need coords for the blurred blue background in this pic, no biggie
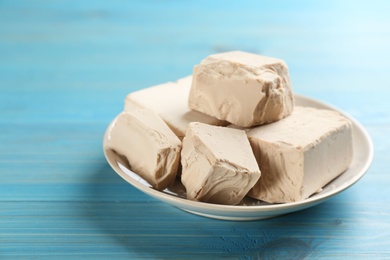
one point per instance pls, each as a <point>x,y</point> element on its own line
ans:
<point>335,50</point>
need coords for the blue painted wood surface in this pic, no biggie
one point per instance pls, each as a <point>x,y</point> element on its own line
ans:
<point>65,69</point>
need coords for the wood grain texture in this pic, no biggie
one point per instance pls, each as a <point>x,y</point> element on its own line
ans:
<point>65,69</point>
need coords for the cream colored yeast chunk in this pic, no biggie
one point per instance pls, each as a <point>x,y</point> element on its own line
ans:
<point>218,164</point>
<point>152,149</point>
<point>300,154</point>
<point>169,100</point>
<point>243,88</point>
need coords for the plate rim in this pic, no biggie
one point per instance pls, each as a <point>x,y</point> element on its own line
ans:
<point>199,208</point>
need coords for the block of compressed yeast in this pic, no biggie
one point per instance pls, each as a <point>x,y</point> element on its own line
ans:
<point>169,100</point>
<point>243,88</point>
<point>150,146</point>
<point>300,154</point>
<point>218,165</point>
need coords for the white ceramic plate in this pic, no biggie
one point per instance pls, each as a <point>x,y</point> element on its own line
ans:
<point>252,209</point>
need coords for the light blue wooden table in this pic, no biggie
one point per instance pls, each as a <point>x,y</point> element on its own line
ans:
<point>65,69</point>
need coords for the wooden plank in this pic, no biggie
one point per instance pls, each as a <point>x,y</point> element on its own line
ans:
<point>65,69</point>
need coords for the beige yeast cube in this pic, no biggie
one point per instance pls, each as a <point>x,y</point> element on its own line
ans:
<point>152,149</point>
<point>243,88</point>
<point>218,164</point>
<point>300,154</point>
<point>169,100</point>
